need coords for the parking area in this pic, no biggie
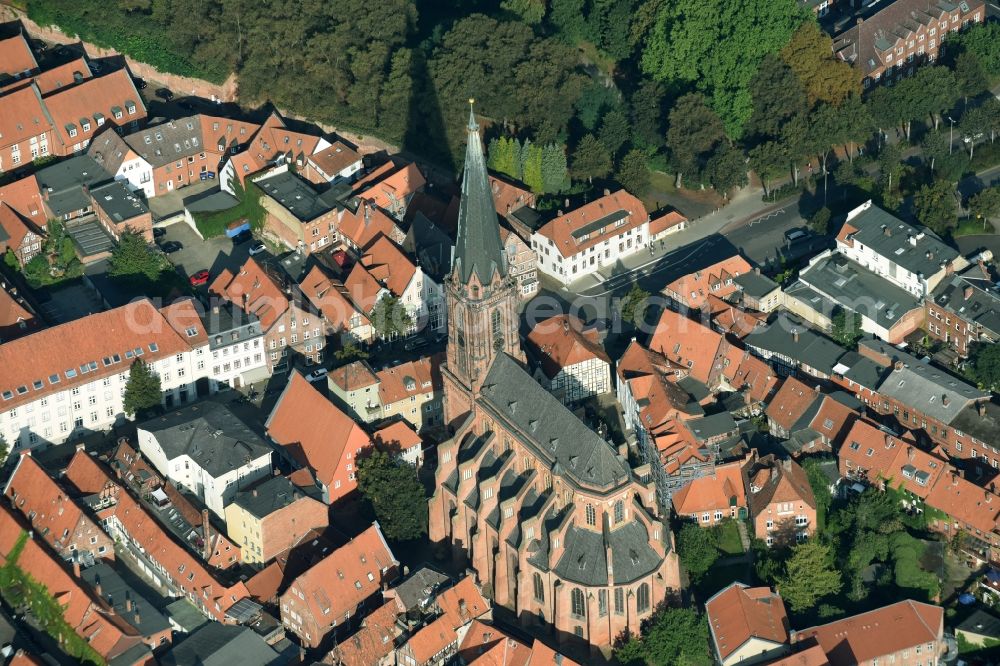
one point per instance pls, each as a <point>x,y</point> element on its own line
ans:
<point>213,254</point>
<point>171,203</point>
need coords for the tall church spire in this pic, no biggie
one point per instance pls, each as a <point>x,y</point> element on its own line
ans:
<point>478,249</point>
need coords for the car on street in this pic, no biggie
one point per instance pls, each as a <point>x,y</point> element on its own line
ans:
<point>159,232</point>
<point>257,248</point>
<point>316,375</point>
<point>164,94</point>
<point>171,246</point>
<point>416,343</point>
<point>199,278</point>
<point>793,235</point>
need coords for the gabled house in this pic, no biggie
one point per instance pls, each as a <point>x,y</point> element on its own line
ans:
<point>23,219</point>
<point>782,504</point>
<point>717,496</point>
<point>748,625</point>
<point>418,292</point>
<point>569,359</point>
<point>332,299</point>
<point>718,279</point>
<point>334,590</point>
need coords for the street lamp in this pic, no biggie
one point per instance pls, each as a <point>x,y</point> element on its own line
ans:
<point>951,134</point>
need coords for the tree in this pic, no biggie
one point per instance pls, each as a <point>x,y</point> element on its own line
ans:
<point>820,221</point>
<point>777,96</point>
<point>824,77</point>
<point>633,173</point>
<point>727,169</point>
<point>555,177</point>
<point>717,45</point>
<point>529,11</point>
<point>350,352</point>
<point>568,19</point>
<point>983,41</point>
<point>769,160</point>
<point>395,494</point>
<point>390,318</point>
<point>694,131</point>
<point>672,636</point>
<point>633,305</point>
<point>647,116</point>
<point>11,260</point>
<point>985,204</point>
<point>934,206</point>
<point>698,548</point>
<point>932,90</point>
<point>934,148</point>
<point>504,156</point>
<point>614,131</point>
<point>985,358</point>
<point>809,576</point>
<point>590,159</point>
<point>975,122</point>
<point>531,167</point>
<point>820,485</point>
<point>142,390</point>
<point>845,327</point>
<point>133,257</point>
<point>970,75</point>
<point>4,450</point>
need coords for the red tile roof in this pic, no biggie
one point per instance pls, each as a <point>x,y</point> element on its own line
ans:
<point>694,288</point>
<point>770,481</point>
<point>362,226</point>
<point>688,344</point>
<point>562,341</point>
<point>671,219</point>
<point>24,116</point>
<point>739,613</point>
<point>373,641</point>
<point>508,197</point>
<point>15,228</point>
<point>35,360</point>
<point>353,376</point>
<point>397,436</point>
<point>98,95</point>
<point>16,55</point>
<point>62,75</point>
<point>966,503</point>
<point>614,206</point>
<point>463,602</point>
<point>888,630</point>
<point>394,188</point>
<point>718,491</point>
<point>335,158</point>
<point>811,656</point>
<point>791,402</point>
<point>388,264</point>
<point>315,432</point>
<point>431,639</point>
<point>332,298</point>
<point>252,289</point>
<point>15,318</point>
<point>362,288</point>
<point>25,197</point>
<point>872,453</point>
<point>425,373</point>
<point>486,645</point>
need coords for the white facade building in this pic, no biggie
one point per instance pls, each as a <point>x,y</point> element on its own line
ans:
<point>206,449</point>
<point>236,343</point>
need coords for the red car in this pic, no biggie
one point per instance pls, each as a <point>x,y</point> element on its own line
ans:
<point>199,278</point>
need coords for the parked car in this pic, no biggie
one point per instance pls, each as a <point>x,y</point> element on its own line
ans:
<point>139,83</point>
<point>164,94</point>
<point>416,343</point>
<point>159,232</point>
<point>257,248</point>
<point>316,375</point>
<point>172,246</point>
<point>242,237</point>
<point>199,278</point>
<point>793,235</point>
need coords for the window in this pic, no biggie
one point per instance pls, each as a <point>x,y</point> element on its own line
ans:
<point>591,515</point>
<point>619,511</point>
<point>539,588</point>
<point>619,601</point>
<point>577,605</point>
<point>496,329</point>
<point>642,598</point>
<point>602,603</point>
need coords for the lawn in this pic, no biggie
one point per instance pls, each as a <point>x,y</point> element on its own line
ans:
<point>970,226</point>
<point>729,538</point>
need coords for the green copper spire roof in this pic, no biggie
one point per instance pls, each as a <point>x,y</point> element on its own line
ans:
<point>477,247</point>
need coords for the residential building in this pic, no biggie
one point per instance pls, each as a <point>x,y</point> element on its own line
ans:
<point>878,457</point>
<point>810,421</point>
<point>509,197</point>
<point>832,283</point>
<point>17,317</point>
<point>118,210</point>
<point>758,292</point>
<point>336,163</point>
<point>128,604</point>
<point>906,632</point>
<point>334,590</point>
<point>526,494</point>
<point>717,496</point>
<point>374,643</point>
<point>522,261</point>
<point>411,390</point>
<point>65,380</point>
<point>23,220</point>
<point>270,517</point>
<point>59,520</point>
<point>314,433</point>
<point>391,190</point>
<point>419,294</point>
<point>748,625</point>
<point>355,385</point>
<point>598,234</point>
<point>782,504</point>
<point>64,186</point>
<point>359,222</point>
<point>670,222</point>
<point>298,215</point>
<point>965,310</point>
<point>791,347</point>
<point>568,359</point>
<point>216,644</point>
<point>453,612</point>
<point>254,148</point>
<point>332,299</point>
<point>207,449</point>
<point>236,341</point>
<point>902,35</point>
<point>912,258</point>
<point>401,440</point>
<point>17,57</point>
<point>179,571</point>
<point>292,326</point>
<point>692,290</point>
<point>87,615</point>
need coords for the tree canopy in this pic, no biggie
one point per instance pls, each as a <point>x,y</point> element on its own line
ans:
<point>824,77</point>
<point>395,494</point>
<point>142,390</point>
<point>809,575</point>
<point>672,636</point>
<point>390,317</point>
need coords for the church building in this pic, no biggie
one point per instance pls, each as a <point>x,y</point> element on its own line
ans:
<point>559,528</point>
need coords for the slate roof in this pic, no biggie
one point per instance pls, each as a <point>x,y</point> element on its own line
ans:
<point>217,644</point>
<point>985,427</point>
<point>215,438</point>
<point>916,249</point>
<point>116,591</point>
<point>118,202</point>
<point>923,386</point>
<point>168,142</point>
<point>418,587</point>
<point>557,434</point>
<point>478,248</point>
<point>63,182</point>
<point>297,196</point>
<point>273,494</point>
<point>584,559</point>
<point>982,306</point>
<point>810,348</point>
<point>754,284</point>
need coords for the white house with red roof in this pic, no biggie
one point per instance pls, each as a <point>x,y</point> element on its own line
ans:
<point>569,359</point>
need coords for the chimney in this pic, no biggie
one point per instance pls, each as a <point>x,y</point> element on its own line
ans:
<point>559,213</point>
<point>795,335</point>
<point>76,568</point>
<point>887,231</point>
<point>898,365</point>
<point>81,446</point>
<point>97,585</point>
<point>255,492</point>
<point>756,270</point>
<point>607,192</point>
<point>565,203</point>
<point>215,309</point>
<point>909,453</point>
<point>944,399</point>
<point>981,408</point>
<point>954,478</point>
<point>137,617</point>
<point>967,292</point>
<point>463,613</point>
<point>566,325</point>
<point>206,534</point>
<point>128,602</point>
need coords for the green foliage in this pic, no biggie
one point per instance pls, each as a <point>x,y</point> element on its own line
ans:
<point>969,74</point>
<point>809,576</point>
<point>594,103</point>
<point>727,169</point>
<point>142,391</point>
<point>350,352</point>
<point>632,173</point>
<point>985,358</point>
<point>529,11</point>
<point>504,156</point>
<point>677,636</point>
<point>555,175</point>
<point>18,588</point>
<point>907,572</point>
<point>211,225</point>
<point>133,256</point>
<point>395,494</point>
<point>717,46</point>
<point>647,116</point>
<point>694,132</point>
<point>568,19</point>
<point>935,206</point>
<point>845,327</point>
<point>983,41</point>
<point>823,76</point>
<point>777,97</point>
<point>698,548</point>
<point>614,131</point>
<point>633,305</point>
<point>590,159</point>
<point>4,450</point>
<point>10,259</point>
<point>820,221</point>
<point>985,204</point>
<point>820,486</point>
<point>769,160</point>
<point>531,166</point>
<point>390,318</point>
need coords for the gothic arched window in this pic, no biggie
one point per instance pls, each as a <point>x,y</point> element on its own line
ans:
<point>619,511</point>
<point>642,599</point>
<point>579,608</point>
<point>496,329</point>
<point>591,515</point>
<point>539,588</point>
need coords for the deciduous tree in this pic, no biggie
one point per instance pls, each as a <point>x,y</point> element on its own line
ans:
<point>769,160</point>
<point>698,549</point>
<point>693,134</point>
<point>390,318</point>
<point>935,207</point>
<point>727,169</point>
<point>590,159</point>
<point>777,96</point>
<point>986,364</point>
<point>824,77</point>
<point>395,494</point>
<point>985,204</point>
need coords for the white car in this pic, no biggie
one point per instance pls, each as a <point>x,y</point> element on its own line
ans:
<point>316,375</point>
<point>257,248</point>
